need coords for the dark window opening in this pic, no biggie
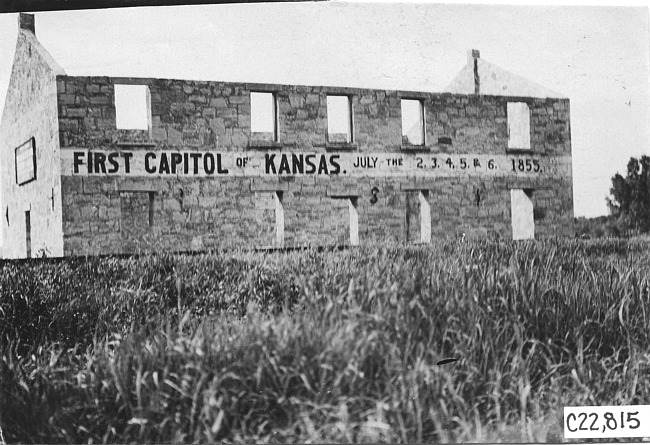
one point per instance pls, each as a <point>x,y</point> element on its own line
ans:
<point>137,216</point>
<point>28,234</point>
<point>152,202</point>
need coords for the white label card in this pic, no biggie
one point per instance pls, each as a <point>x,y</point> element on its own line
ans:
<point>592,422</point>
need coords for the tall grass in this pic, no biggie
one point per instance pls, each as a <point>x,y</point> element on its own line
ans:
<point>324,346</point>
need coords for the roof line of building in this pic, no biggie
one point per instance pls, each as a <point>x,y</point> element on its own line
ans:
<point>64,5</point>
<point>477,77</point>
<point>482,77</point>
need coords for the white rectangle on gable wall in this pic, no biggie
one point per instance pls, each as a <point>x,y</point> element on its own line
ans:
<point>25,160</point>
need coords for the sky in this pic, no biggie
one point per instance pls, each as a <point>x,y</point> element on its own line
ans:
<point>597,56</point>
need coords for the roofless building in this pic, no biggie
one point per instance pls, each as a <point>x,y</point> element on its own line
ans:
<point>95,165</point>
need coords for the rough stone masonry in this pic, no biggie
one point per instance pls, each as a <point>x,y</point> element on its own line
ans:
<point>200,176</point>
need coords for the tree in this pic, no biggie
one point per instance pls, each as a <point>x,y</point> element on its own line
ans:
<point>630,202</point>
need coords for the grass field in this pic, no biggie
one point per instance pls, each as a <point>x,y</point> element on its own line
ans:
<point>308,346</point>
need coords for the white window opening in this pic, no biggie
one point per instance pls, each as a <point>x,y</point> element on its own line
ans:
<point>132,105</point>
<point>354,221</point>
<point>425,217</point>
<point>523,223</point>
<point>412,122</point>
<point>518,125</point>
<point>339,119</point>
<point>279,219</point>
<point>264,117</point>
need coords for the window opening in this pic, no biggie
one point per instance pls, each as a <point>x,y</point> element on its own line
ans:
<point>132,107</point>
<point>136,217</point>
<point>425,217</point>
<point>354,221</point>
<point>518,125</point>
<point>264,115</point>
<point>152,207</point>
<point>523,222</point>
<point>339,119</point>
<point>28,234</point>
<point>412,122</point>
<point>279,219</point>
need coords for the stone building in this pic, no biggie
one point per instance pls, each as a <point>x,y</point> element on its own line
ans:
<point>94,165</point>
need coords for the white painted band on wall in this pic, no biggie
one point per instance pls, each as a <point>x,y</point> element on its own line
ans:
<point>170,163</point>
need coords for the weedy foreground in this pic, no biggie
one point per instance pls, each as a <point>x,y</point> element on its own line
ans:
<point>329,346</point>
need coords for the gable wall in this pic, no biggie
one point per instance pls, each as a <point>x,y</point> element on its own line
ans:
<point>31,112</point>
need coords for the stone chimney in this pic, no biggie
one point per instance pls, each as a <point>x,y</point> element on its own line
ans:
<point>473,54</point>
<point>26,22</point>
<point>472,58</point>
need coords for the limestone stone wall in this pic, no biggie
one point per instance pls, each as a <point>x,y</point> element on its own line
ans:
<point>216,115</point>
<point>31,112</point>
<point>112,210</point>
